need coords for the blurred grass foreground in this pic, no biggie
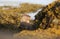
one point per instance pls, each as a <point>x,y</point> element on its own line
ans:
<point>48,19</point>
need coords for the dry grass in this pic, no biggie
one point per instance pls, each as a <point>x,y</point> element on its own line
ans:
<point>51,33</point>
<point>12,16</point>
<point>23,8</point>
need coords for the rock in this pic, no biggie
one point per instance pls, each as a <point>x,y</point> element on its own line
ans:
<point>45,17</point>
